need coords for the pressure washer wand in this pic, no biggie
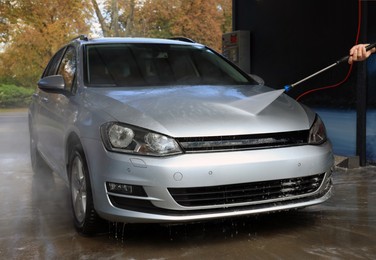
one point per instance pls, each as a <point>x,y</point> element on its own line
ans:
<point>288,87</point>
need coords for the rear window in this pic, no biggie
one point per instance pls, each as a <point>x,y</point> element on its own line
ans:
<point>157,64</point>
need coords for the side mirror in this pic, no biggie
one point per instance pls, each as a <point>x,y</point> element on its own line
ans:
<point>54,83</point>
<point>258,79</point>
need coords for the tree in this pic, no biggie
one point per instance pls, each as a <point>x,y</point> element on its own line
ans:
<point>202,20</point>
<point>225,7</point>
<point>156,17</point>
<point>33,31</point>
<point>117,18</point>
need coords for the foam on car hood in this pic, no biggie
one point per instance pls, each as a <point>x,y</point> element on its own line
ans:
<point>183,111</point>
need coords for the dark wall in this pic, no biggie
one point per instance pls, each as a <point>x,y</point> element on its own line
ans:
<point>292,39</point>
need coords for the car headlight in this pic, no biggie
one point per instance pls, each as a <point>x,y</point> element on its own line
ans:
<point>124,138</point>
<point>317,133</point>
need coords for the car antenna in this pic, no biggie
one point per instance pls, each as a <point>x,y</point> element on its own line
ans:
<point>81,37</point>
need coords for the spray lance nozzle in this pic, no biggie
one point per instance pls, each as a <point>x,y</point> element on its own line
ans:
<point>343,59</point>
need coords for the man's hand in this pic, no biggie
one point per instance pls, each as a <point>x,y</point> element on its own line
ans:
<point>359,53</point>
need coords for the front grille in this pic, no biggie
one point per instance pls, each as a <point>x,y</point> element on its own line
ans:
<point>246,192</point>
<point>243,142</point>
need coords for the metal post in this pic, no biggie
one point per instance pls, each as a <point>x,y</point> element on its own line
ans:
<point>361,117</point>
<point>361,97</point>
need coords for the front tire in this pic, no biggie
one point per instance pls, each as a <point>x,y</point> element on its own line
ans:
<point>86,219</point>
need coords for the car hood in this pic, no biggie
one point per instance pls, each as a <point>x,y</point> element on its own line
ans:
<point>183,111</point>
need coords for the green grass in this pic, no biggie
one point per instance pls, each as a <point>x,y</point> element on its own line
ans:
<point>10,110</point>
<point>12,96</point>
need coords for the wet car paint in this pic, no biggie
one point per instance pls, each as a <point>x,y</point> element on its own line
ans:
<point>36,222</point>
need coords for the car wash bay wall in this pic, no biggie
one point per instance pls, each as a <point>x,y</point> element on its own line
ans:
<point>292,39</point>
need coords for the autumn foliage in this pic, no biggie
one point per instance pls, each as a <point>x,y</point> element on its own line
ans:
<point>31,31</point>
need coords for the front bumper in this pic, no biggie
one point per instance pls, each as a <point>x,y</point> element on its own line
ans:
<point>157,177</point>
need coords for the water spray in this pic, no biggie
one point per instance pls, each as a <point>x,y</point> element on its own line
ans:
<point>343,59</point>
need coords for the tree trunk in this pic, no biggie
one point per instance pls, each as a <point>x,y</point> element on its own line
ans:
<point>130,19</point>
<point>105,28</point>
<point>115,18</point>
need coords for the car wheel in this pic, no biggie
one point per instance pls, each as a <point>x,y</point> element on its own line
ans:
<point>86,219</point>
<point>38,164</point>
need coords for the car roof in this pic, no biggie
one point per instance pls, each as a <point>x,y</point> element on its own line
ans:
<point>177,41</point>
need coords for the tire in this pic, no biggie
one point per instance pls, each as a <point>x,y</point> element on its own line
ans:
<point>86,219</point>
<point>38,164</point>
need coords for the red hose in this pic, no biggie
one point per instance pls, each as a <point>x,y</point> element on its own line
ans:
<point>351,66</point>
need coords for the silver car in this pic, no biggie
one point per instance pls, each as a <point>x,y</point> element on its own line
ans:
<point>169,131</point>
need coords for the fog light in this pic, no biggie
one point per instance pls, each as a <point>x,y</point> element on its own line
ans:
<point>126,189</point>
<point>119,188</point>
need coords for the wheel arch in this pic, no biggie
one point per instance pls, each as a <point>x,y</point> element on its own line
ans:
<point>71,142</point>
<point>30,120</point>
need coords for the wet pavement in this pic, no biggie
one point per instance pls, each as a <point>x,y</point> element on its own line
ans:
<point>36,222</point>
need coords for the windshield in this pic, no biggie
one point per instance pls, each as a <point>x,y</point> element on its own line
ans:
<point>157,64</point>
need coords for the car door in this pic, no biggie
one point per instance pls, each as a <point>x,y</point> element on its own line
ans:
<point>55,110</point>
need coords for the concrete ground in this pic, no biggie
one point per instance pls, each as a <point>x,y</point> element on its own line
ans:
<point>36,222</point>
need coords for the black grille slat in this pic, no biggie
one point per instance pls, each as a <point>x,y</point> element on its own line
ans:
<point>247,192</point>
<point>243,142</point>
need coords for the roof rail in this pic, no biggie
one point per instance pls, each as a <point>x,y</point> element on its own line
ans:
<point>81,37</point>
<point>182,38</point>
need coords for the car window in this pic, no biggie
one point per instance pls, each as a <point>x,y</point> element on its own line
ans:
<point>67,68</point>
<point>157,64</point>
<point>53,64</point>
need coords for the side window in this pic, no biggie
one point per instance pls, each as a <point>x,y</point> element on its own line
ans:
<point>67,68</point>
<point>52,66</point>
